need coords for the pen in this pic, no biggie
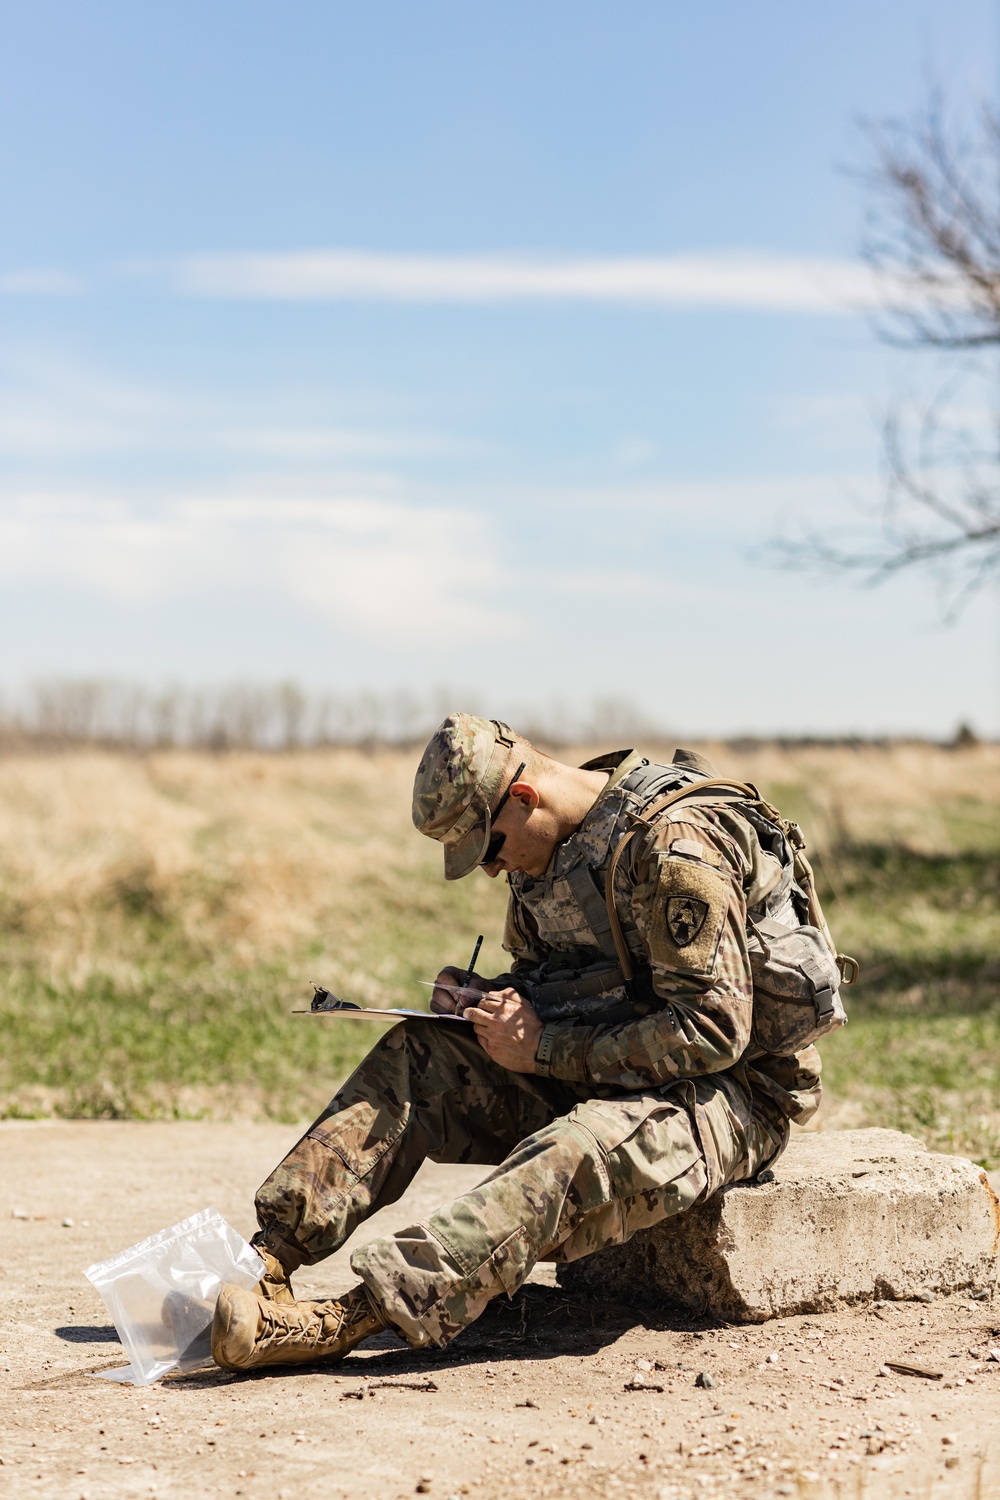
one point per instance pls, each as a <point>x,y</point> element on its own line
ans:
<point>472,961</point>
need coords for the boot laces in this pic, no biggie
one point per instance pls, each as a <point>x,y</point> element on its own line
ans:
<point>282,1324</point>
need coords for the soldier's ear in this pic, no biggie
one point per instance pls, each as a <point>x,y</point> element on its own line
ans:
<point>526,794</point>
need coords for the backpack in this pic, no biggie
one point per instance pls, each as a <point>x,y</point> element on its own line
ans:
<point>797,972</point>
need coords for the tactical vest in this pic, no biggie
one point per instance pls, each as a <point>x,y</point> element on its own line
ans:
<point>598,971</point>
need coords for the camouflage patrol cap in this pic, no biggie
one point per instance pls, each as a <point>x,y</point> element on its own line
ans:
<point>457,780</point>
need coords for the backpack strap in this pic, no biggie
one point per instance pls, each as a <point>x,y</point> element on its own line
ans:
<point>737,792</point>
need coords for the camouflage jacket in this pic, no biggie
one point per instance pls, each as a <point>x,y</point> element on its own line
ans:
<point>706,859</point>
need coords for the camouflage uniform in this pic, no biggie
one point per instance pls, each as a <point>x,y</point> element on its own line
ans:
<point>621,1125</point>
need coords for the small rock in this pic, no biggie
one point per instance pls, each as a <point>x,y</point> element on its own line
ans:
<point>705,1381</point>
<point>771,1359</point>
<point>19,1213</point>
<point>951,1462</point>
<point>884,1370</point>
<point>596,1422</point>
<point>981,1295</point>
<point>993,1354</point>
<point>925,1296</point>
<point>948,1439</point>
<point>644,1364</point>
<point>586,1445</point>
<point>67,1223</point>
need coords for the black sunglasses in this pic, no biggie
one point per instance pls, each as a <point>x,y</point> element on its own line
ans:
<point>496,843</point>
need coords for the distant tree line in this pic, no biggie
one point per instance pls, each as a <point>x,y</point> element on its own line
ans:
<point>63,713</point>
<point>60,712</point>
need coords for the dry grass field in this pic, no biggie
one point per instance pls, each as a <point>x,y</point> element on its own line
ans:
<point>160,916</point>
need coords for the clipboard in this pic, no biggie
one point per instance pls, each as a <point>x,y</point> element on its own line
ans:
<point>371,1013</point>
<point>325,1003</point>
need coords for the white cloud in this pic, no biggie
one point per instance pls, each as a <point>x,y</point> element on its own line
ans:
<point>389,569</point>
<point>363,551</point>
<point>54,408</point>
<point>744,280</point>
<point>39,283</point>
<point>248,580</point>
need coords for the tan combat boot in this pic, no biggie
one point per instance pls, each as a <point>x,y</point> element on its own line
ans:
<point>250,1330</point>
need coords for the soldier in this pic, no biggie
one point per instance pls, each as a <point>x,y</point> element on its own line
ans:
<point>611,1078</point>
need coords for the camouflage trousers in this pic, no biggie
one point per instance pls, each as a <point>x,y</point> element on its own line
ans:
<point>575,1169</point>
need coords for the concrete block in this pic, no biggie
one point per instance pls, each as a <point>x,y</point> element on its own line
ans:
<point>848,1216</point>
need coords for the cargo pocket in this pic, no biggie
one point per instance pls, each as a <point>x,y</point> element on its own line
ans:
<point>647,1146</point>
<point>723,1112</point>
<point>360,1136</point>
<point>646,1140</point>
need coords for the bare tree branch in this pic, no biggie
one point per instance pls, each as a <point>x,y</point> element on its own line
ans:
<point>933,239</point>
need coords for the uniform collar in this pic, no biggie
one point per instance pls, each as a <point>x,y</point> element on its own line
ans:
<point>591,838</point>
<point>620,763</point>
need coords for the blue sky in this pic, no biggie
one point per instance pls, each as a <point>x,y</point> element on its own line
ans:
<point>436,345</point>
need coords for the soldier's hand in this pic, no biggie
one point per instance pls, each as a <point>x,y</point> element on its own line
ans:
<point>507,1028</point>
<point>446,1002</point>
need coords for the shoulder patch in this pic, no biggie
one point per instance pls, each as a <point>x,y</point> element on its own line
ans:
<point>689,912</point>
<point>685,918</point>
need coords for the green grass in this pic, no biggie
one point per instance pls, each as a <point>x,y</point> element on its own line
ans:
<point>174,1046</point>
<point>170,1027</point>
<point>937,1077</point>
<point>922,1050</point>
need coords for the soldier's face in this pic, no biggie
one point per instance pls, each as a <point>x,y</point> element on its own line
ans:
<point>530,834</point>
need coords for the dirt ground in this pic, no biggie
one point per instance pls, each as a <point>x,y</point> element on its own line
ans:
<point>534,1400</point>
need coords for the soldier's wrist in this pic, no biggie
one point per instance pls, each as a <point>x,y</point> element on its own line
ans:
<point>543,1052</point>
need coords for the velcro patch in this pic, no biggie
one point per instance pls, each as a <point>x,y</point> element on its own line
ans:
<point>694,850</point>
<point>688,913</point>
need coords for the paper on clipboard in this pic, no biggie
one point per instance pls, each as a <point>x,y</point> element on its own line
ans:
<point>372,1013</point>
<point>325,1003</point>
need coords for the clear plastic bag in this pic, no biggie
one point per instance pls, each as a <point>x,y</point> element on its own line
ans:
<point>161,1293</point>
